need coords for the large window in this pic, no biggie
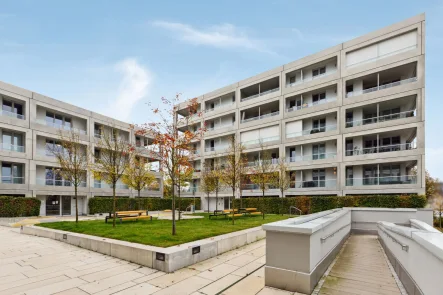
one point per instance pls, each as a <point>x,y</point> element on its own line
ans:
<point>319,125</point>
<point>12,173</point>
<point>319,177</point>
<point>318,72</point>
<point>318,151</point>
<point>11,108</point>
<point>12,141</point>
<point>318,98</point>
<point>54,177</point>
<point>58,121</point>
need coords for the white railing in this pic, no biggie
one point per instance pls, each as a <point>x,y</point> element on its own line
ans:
<point>189,189</point>
<point>312,131</point>
<point>312,157</point>
<point>326,183</point>
<point>216,148</point>
<point>261,162</point>
<point>381,87</point>
<point>219,106</point>
<point>401,115</point>
<point>253,186</point>
<point>261,140</point>
<point>382,56</point>
<point>381,149</point>
<point>385,180</point>
<point>12,147</point>
<point>100,184</point>
<point>13,179</point>
<point>216,127</point>
<point>57,182</point>
<point>311,78</point>
<point>260,94</point>
<point>311,104</point>
<point>261,117</point>
<point>11,114</point>
<point>61,126</point>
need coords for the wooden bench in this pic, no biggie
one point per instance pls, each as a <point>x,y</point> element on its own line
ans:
<point>218,213</point>
<point>129,215</point>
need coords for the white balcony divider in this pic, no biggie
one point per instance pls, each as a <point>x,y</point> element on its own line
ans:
<point>327,183</point>
<point>379,119</point>
<point>57,182</point>
<point>328,72</point>
<point>261,140</point>
<point>216,127</point>
<point>384,180</point>
<point>382,149</point>
<point>60,126</point>
<point>11,114</point>
<point>11,147</point>
<point>261,117</point>
<point>311,104</point>
<point>260,94</point>
<point>312,157</point>
<point>312,131</point>
<point>381,87</point>
<point>219,106</point>
<point>13,179</point>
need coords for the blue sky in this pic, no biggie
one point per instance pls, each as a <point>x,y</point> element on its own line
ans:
<point>114,56</point>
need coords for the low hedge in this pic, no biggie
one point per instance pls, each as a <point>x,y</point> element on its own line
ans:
<point>105,204</point>
<point>19,206</point>
<point>313,204</point>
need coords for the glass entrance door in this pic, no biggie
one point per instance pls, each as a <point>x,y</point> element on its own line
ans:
<point>66,205</point>
<point>53,205</point>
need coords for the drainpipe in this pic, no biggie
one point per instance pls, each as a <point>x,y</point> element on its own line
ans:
<point>378,81</point>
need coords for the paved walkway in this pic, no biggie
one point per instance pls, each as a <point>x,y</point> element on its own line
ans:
<point>32,265</point>
<point>361,268</point>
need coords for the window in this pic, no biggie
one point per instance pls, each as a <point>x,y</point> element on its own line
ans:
<point>13,108</point>
<point>318,98</point>
<point>12,173</point>
<point>291,79</point>
<point>349,119</point>
<point>292,154</point>
<point>319,177</point>
<point>349,176</point>
<point>349,88</point>
<point>12,141</point>
<point>97,130</point>
<point>319,71</point>
<point>58,121</point>
<point>52,146</point>
<point>318,151</point>
<point>318,125</point>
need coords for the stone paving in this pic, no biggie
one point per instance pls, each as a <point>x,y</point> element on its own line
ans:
<point>32,265</point>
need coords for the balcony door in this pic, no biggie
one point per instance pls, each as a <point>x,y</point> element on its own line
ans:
<point>319,177</point>
<point>318,151</point>
<point>52,205</point>
<point>319,125</point>
<point>66,205</point>
<point>12,173</point>
<point>12,141</point>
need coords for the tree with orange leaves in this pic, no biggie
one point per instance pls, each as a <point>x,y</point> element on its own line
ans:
<point>171,146</point>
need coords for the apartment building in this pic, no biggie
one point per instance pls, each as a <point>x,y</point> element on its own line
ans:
<point>30,125</point>
<point>347,120</point>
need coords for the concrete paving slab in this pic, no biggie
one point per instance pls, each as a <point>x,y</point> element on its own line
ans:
<point>185,287</point>
<point>139,289</point>
<point>218,272</point>
<point>220,285</point>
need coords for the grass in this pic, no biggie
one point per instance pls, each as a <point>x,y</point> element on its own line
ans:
<point>158,232</point>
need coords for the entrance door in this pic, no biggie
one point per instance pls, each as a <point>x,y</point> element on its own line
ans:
<point>226,203</point>
<point>53,205</point>
<point>66,205</point>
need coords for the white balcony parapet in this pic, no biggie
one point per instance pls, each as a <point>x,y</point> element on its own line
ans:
<point>311,104</point>
<point>261,117</point>
<point>219,106</point>
<point>102,184</point>
<point>190,189</point>
<point>326,183</point>
<point>253,186</point>
<point>379,119</point>
<point>261,140</point>
<point>327,73</point>
<point>381,87</point>
<point>312,131</point>
<point>11,114</point>
<point>382,56</point>
<point>12,147</point>
<point>216,148</point>
<point>384,180</point>
<point>216,127</point>
<point>312,157</point>
<point>13,179</point>
<point>57,182</point>
<point>260,162</point>
<point>261,94</point>
<point>61,127</point>
<point>381,149</point>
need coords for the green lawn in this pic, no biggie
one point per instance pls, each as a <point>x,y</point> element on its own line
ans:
<point>158,232</point>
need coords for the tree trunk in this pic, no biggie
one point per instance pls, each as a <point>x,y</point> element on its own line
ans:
<point>208,202</point>
<point>114,203</point>
<point>282,207</point>
<point>138,193</point>
<point>179,204</point>
<point>216,200</point>
<point>233,207</point>
<point>173,208</point>
<point>76,204</point>
<point>263,205</point>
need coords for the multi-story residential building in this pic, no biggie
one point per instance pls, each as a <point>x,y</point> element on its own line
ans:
<point>30,126</point>
<point>347,120</point>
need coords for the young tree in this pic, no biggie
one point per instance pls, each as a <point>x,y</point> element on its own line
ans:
<point>171,146</point>
<point>438,206</point>
<point>234,168</point>
<point>207,183</point>
<point>138,174</point>
<point>430,185</point>
<point>113,160</point>
<point>216,174</point>
<point>263,174</point>
<point>283,181</point>
<point>73,160</point>
<point>184,176</point>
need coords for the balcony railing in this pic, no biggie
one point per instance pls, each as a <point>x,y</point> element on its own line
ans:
<point>189,189</point>
<point>219,106</point>
<point>11,114</point>
<point>312,157</point>
<point>384,180</point>
<point>217,148</point>
<point>312,131</point>
<point>381,87</point>
<point>261,140</point>
<point>57,182</point>
<point>99,184</point>
<point>312,78</point>
<point>61,126</point>
<point>380,119</point>
<point>260,94</point>
<point>311,104</point>
<point>13,179</point>
<point>216,127</point>
<point>382,149</point>
<point>327,183</point>
<point>261,162</point>
<point>253,186</point>
<point>11,147</point>
<point>261,117</point>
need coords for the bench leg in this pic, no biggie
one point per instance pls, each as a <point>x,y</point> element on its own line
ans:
<point>151,218</point>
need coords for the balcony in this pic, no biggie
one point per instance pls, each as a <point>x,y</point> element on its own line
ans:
<point>61,126</point>
<point>253,186</point>
<point>219,106</point>
<point>190,189</point>
<point>312,131</point>
<point>320,156</point>
<point>380,119</point>
<point>220,123</point>
<point>217,148</point>
<point>104,185</point>
<point>381,87</point>
<point>385,180</point>
<point>259,163</point>
<point>11,114</point>
<point>260,89</point>
<point>57,182</point>
<point>311,104</point>
<point>13,180</point>
<point>381,149</point>
<point>326,183</point>
<point>312,72</point>
<point>12,148</point>
<point>261,140</point>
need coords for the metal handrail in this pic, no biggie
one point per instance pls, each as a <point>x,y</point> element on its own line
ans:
<point>293,207</point>
<point>331,235</point>
<point>404,247</point>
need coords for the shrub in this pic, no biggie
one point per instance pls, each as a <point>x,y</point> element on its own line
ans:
<point>105,204</point>
<point>313,204</point>
<point>19,206</point>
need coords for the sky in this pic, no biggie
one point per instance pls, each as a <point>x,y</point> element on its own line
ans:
<point>116,57</point>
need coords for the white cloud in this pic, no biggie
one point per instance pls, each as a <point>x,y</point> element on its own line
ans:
<point>222,36</point>
<point>434,162</point>
<point>135,84</point>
